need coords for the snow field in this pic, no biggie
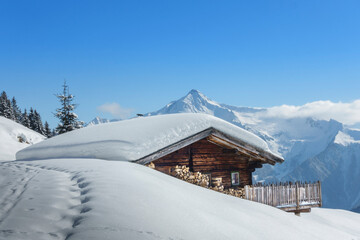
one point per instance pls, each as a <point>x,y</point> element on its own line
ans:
<point>97,199</point>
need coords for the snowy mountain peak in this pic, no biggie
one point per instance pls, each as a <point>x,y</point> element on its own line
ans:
<point>97,120</point>
<point>193,102</point>
<point>196,95</point>
<point>194,92</point>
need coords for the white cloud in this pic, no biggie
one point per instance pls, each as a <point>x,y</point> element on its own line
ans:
<point>115,110</point>
<point>347,113</point>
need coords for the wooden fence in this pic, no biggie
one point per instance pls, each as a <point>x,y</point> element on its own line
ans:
<point>292,197</point>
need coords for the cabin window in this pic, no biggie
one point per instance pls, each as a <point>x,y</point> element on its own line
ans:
<point>235,179</point>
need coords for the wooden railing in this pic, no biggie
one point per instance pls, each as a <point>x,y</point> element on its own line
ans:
<point>292,197</point>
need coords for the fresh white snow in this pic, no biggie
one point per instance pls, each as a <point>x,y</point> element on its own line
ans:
<point>10,132</point>
<point>133,139</point>
<point>96,199</point>
<point>345,139</point>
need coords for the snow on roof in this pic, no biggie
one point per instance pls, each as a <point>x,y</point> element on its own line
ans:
<point>132,139</point>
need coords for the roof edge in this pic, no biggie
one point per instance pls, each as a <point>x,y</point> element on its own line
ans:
<point>201,135</point>
<point>175,146</point>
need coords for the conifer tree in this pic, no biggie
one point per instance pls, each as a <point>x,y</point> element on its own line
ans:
<point>16,110</point>
<point>25,120</point>
<point>68,119</point>
<point>32,119</point>
<point>5,107</point>
<point>47,130</point>
<point>38,125</point>
<point>2,103</point>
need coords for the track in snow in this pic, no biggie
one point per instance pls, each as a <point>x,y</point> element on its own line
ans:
<point>55,197</point>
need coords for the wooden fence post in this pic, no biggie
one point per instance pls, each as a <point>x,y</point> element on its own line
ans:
<point>297,212</point>
<point>320,200</point>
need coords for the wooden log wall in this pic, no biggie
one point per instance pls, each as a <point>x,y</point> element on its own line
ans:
<point>206,157</point>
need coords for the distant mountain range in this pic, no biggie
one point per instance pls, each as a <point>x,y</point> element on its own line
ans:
<point>313,149</point>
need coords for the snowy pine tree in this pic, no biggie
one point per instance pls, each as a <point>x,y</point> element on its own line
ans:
<point>39,127</point>
<point>47,130</point>
<point>39,124</point>
<point>32,119</point>
<point>25,121</point>
<point>5,107</point>
<point>16,110</point>
<point>3,98</point>
<point>68,119</point>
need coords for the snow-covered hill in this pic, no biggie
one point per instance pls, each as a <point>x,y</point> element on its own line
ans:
<point>14,137</point>
<point>97,199</point>
<point>313,149</point>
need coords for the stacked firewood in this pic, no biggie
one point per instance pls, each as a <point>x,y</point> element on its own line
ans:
<point>197,178</point>
<point>183,173</point>
<point>216,184</point>
<point>240,192</point>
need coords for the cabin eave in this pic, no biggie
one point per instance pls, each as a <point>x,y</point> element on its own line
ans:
<point>219,138</point>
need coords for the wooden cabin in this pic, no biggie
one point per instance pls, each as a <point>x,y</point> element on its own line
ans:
<point>214,153</point>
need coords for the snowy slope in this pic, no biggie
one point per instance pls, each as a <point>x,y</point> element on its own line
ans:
<point>10,132</point>
<point>96,199</point>
<point>134,138</point>
<point>299,140</point>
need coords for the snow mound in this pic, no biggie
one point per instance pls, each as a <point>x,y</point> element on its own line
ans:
<point>133,139</point>
<point>14,137</point>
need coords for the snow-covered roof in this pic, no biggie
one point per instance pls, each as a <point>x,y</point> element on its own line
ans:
<point>134,139</point>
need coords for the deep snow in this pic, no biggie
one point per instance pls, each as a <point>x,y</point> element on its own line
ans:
<point>10,132</point>
<point>96,199</point>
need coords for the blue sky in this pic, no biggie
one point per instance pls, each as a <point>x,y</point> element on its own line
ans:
<point>143,54</point>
